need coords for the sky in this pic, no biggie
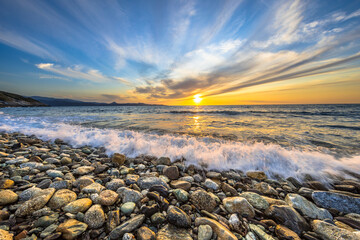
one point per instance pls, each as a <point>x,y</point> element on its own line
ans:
<point>182,52</point>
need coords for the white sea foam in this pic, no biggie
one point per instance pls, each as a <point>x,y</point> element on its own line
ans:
<point>217,154</point>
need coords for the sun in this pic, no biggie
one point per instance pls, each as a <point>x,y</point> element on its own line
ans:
<point>197,98</point>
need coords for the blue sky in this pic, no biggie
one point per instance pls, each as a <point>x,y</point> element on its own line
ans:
<point>169,51</point>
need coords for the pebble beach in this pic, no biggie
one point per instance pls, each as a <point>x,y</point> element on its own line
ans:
<point>51,190</point>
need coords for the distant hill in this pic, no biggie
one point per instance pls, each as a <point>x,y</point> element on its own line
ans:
<point>15,100</point>
<point>70,102</point>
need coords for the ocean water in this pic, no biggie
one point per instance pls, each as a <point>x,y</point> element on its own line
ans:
<point>284,140</point>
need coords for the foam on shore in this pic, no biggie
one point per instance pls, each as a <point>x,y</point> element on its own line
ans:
<point>217,154</point>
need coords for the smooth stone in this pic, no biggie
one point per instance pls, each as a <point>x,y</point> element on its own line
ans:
<point>283,232</point>
<point>118,159</point>
<point>265,188</point>
<point>273,201</point>
<point>180,184</point>
<point>107,198</point>
<point>7,197</point>
<point>80,205</point>
<point>238,205</point>
<point>65,184</point>
<point>6,183</point>
<point>5,235</point>
<point>128,207</point>
<point>306,192</point>
<point>46,221</point>
<point>227,188</point>
<point>288,217</point>
<point>129,195</point>
<point>148,182</point>
<point>210,184</point>
<point>94,216</point>
<point>83,181</point>
<point>203,200</point>
<point>330,232</point>
<point>205,232</point>
<point>93,188</point>
<point>306,207</point>
<point>178,217</point>
<point>221,231</point>
<point>61,198</point>
<point>259,175</point>
<point>48,230</point>
<point>71,229</point>
<point>65,160</point>
<point>340,202</point>
<point>28,193</point>
<point>158,218</point>
<point>128,236</point>
<point>163,161</point>
<point>181,195</point>
<point>131,179</point>
<point>145,233</point>
<point>172,172</point>
<point>170,232</point>
<point>44,184</point>
<point>127,226</point>
<point>260,233</point>
<point>37,202</point>
<point>113,220</point>
<point>54,173</point>
<point>255,200</point>
<point>115,184</point>
<point>83,170</point>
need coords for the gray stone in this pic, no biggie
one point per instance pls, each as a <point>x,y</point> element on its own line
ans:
<point>147,182</point>
<point>255,200</point>
<point>115,184</point>
<point>340,202</point>
<point>331,232</point>
<point>54,173</point>
<point>204,232</point>
<point>170,232</point>
<point>127,226</point>
<point>221,231</point>
<point>238,205</point>
<point>129,195</point>
<point>306,207</point>
<point>178,217</point>
<point>211,184</point>
<point>95,216</point>
<point>203,200</point>
<point>128,207</point>
<point>181,195</point>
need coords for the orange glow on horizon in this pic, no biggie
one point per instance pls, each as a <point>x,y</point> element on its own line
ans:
<point>197,99</point>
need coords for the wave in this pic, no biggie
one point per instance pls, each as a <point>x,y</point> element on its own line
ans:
<point>340,127</point>
<point>305,113</point>
<point>216,154</point>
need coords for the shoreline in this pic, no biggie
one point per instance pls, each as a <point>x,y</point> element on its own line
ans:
<point>50,190</point>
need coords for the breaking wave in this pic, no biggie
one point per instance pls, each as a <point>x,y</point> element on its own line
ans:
<point>217,154</point>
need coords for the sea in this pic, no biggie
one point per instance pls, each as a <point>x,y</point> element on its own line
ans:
<point>282,140</point>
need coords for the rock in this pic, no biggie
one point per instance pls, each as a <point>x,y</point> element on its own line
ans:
<point>148,182</point>
<point>5,235</point>
<point>158,218</point>
<point>71,229</point>
<point>227,188</point>
<point>107,198</point>
<point>83,170</point>
<point>260,233</point>
<point>221,231</point>
<point>258,175</point>
<point>288,217</point>
<point>65,160</point>
<point>118,159</point>
<point>61,198</point>
<point>283,232</point>
<point>144,233</point>
<point>163,191</point>
<point>255,200</point>
<point>163,161</point>
<point>204,232</point>
<point>306,207</point>
<point>4,215</point>
<point>131,179</point>
<point>6,183</point>
<point>28,193</point>
<point>129,195</point>
<point>172,172</point>
<point>203,200</point>
<point>330,232</point>
<point>185,185</point>
<point>128,236</point>
<point>273,201</point>
<point>128,207</point>
<point>181,195</point>
<point>113,220</point>
<point>46,221</point>
<point>238,205</point>
<point>306,192</point>
<point>210,184</point>
<point>37,202</point>
<point>44,184</point>
<point>80,205</point>
<point>49,230</point>
<point>340,202</point>
<point>265,188</point>
<point>316,185</point>
<point>93,188</point>
<point>178,217</point>
<point>54,173</point>
<point>115,184</point>
<point>127,226</point>
<point>170,232</point>
<point>82,182</point>
<point>95,216</point>
<point>7,197</point>
<point>65,184</point>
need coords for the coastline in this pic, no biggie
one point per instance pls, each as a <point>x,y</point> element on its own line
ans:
<point>50,190</point>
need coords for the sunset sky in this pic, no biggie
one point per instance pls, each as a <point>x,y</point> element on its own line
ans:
<point>167,52</point>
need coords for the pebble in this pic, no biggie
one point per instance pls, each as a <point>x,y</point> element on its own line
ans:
<point>205,232</point>
<point>238,205</point>
<point>107,198</point>
<point>178,217</point>
<point>71,229</point>
<point>203,200</point>
<point>128,207</point>
<point>127,226</point>
<point>61,198</point>
<point>80,205</point>
<point>7,197</point>
<point>94,216</point>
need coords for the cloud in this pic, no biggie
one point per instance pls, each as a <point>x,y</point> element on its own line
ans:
<point>80,73</point>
